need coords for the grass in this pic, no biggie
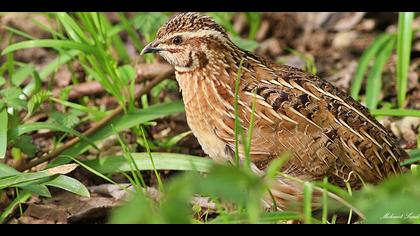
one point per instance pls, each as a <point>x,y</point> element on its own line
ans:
<point>136,178</point>
<point>3,132</point>
<point>395,112</point>
<point>237,126</point>
<point>97,45</point>
<point>378,54</point>
<point>307,203</point>
<point>405,34</point>
<point>363,65</point>
<point>149,154</point>
<point>88,42</point>
<point>374,83</point>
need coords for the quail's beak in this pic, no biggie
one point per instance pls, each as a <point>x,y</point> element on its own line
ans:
<point>150,48</point>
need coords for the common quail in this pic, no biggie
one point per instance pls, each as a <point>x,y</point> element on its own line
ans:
<point>327,132</point>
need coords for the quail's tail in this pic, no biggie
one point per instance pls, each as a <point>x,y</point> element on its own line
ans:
<point>286,193</point>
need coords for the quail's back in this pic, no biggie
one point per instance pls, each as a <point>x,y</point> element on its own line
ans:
<point>327,132</point>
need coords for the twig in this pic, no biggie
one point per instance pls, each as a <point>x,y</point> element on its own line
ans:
<point>144,72</point>
<point>97,126</point>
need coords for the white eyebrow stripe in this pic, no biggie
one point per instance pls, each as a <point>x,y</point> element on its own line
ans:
<point>198,33</point>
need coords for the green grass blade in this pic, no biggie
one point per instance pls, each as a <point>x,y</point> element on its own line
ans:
<point>137,179</point>
<point>324,203</point>
<point>224,19</point>
<point>22,198</point>
<point>121,123</point>
<point>332,188</point>
<point>19,32</point>
<point>249,45</point>
<point>72,27</point>
<point>266,217</point>
<point>307,202</point>
<point>41,190</point>
<point>162,161</point>
<point>53,66</point>
<point>131,32</point>
<point>418,137</point>
<point>374,82</point>
<point>120,49</point>
<point>171,142</point>
<point>248,141</point>
<point>48,28</point>
<point>107,84</point>
<point>405,33</point>
<point>90,110</point>
<point>364,61</point>
<point>350,211</point>
<point>2,80</point>
<point>3,132</point>
<point>35,177</point>
<point>37,84</point>
<point>254,20</point>
<point>26,128</point>
<point>37,189</point>
<point>56,63</point>
<point>50,68</point>
<point>275,166</point>
<point>51,43</point>
<point>6,171</point>
<point>93,171</point>
<point>152,162</point>
<point>118,43</point>
<point>10,61</point>
<point>69,184</point>
<point>22,74</point>
<point>395,112</point>
<point>85,21</point>
<point>415,170</point>
<point>309,61</point>
<point>236,110</point>
<point>414,157</point>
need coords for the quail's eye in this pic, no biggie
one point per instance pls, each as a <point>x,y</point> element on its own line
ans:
<point>177,40</point>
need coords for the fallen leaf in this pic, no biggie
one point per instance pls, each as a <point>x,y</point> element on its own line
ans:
<point>63,169</point>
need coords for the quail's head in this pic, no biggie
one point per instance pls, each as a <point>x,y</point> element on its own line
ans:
<point>189,40</point>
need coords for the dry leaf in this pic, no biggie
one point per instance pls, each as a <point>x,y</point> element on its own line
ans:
<point>64,169</point>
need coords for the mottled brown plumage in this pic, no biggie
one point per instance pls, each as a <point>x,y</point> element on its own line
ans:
<point>328,133</point>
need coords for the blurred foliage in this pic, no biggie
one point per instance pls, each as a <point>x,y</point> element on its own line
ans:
<point>223,183</point>
<point>396,200</point>
<point>236,193</point>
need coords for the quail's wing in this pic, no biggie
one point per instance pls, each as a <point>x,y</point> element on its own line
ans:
<point>327,131</point>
